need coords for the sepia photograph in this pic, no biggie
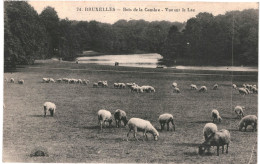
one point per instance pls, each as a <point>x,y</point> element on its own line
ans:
<point>130,82</point>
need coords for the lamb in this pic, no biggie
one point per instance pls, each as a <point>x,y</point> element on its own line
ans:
<point>239,110</point>
<point>215,115</point>
<point>203,89</point>
<point>177,90</point>
<point>208,129</point>
<point>215,87</point>
<point>49,106</point>
<point>248,120</point>
<point>174,85</point>
<point>166,118</point>
<point>12,80</point>
<point>143,125</point>
<point>45,80</point>
<point>21,81</point>
<point>242,91</point>
<point>219,138</point>
<point>193,87</point>
<point>104,116</point>
<point>119,116</point>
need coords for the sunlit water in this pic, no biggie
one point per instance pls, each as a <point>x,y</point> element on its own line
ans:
<point>151,61</point>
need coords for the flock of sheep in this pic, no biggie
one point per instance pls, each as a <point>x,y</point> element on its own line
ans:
<point>212,136</point>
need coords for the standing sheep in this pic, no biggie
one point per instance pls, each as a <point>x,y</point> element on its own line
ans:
<point>215,87</point>
<point>143,125</point>
<point>12,80</point>
<point>193,87</point>
<point>219,138</point>
<point>248,120</point>
<point>203,89</point>
<point>242,91</point>
<point>239,110</point>
<point>166,118</point>
<point>21,81</point>
<point>215,115</point>
<point>208,129</point>
<point>49,106</point>
<point>174,85</point>
<point>120,115</point>
<point>234,86</point>
<point>95,85</point>
<point>104,116</point>
<point>177,90</point>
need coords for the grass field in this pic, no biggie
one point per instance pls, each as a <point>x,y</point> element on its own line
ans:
<point>73,134</point>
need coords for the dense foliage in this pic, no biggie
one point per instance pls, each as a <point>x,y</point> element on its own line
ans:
<point>202,40</point>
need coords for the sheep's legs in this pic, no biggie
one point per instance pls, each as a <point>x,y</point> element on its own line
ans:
<point>162,126</point>
<point>173,125</point>
<point>217,150</point>
<point>223,149</point>
<point>227,149</point>
<point>168,126</point>
<point>128,134</point>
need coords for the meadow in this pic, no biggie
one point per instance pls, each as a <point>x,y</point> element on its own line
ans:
<point>73,134</point>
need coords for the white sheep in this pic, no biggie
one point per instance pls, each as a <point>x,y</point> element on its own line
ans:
<point>49,106</point>
<point>66,80</point>
<point>104,116</point>
<point>12,80</point>
<point>116,85</point>
<point>143,125</point>
<point>242,91</point>
<point>215,115</point>
<point>208,129</point>
<point>79,81</point>
<point>84,81</point>
<point>166,118</point>
<point>21,81</point>
<point>248,120</point>
<point>45,80</point>
<point>59,80</point>
<point>119,116</point>
<point>52,80</point>
<point>147,88</point>
<point>121,85</point>
<point>203,89</point>
<point>234,86</point>
<point>239,110</point>
<point>215,87</point>
<point>177,90</point>
<point>137,89</point>
<point>193,87</point>
<point>174,85</point>
<point>255,90</point>
<point>219,138</point>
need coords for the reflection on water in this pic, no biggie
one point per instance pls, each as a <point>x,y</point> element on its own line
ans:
<point>135,60</point>
<point>151,61</point>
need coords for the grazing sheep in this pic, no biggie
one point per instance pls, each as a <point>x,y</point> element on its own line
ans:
<point>137,89</point>
<point>84,81</point>
<point>234,86</point>
<point>255,90</point>
<point>208,129</point>
<point>59,80</point>
<point>12,80</point>
<point>79,81</point>
<point>143,125</point>
<point>120,115</point>
<point>215,115</point>
<point>21,81</point>
<point>177,90</point>
<point>66,80</point>
<point>174,85</point>
<point>215,87</point>
<point>104,116</point>
<point>121,85</point>
<point>239,110</point>
<point>203,89</point>
<point>148,89</point>
<point>242,91</point>
<point>116,85</point>
<point>95,85</point>
<point>102,83</point>
<point>193,87</point>
<point>45,80</point>
<point>248,120</point>
<point>166,118</point>
<point>49,106</point>
<point>219,138</point>
<point>52,80</point>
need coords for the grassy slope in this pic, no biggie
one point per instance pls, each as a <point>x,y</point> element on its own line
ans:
<point>73,135</point>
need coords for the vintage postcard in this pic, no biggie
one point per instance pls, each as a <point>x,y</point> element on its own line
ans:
<point>130,82</point>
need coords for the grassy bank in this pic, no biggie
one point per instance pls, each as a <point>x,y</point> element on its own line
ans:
<point>73,134</point>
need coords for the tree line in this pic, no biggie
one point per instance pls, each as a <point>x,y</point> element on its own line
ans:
<point>202,40</point>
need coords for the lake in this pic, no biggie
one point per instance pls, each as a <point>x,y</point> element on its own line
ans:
<point>151,61</point>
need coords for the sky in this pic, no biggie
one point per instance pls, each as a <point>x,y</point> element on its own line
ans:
<point>147,10</point>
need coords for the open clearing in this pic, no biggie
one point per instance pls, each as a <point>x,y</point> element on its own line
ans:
<point>73,134</point>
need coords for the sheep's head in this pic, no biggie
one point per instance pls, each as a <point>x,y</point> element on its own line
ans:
<point>155,135</point>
